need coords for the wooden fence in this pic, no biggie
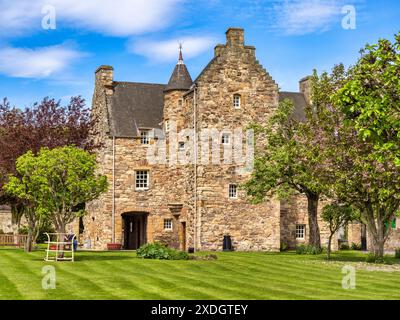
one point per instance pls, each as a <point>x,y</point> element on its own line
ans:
<point>13,240</point>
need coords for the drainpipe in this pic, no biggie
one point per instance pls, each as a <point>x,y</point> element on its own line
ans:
<point>196,222</point>
<point>113,194</point>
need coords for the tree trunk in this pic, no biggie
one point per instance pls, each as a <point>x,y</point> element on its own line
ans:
<point>379,240</point>
<point>376,229</point>
<point>60,228</point>
<point>328,250</point>
<point>314,236</point>
<point>29,241</point>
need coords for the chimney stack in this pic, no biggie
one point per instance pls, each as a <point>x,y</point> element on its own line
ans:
<point>105,78</point>
<point>235,37</point>
<point>305,88</point>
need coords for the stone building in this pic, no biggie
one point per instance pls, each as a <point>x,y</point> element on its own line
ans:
<point>165,184</point>
<point>6,225</point>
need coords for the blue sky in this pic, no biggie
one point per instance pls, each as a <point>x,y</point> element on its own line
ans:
<point>139,38</point>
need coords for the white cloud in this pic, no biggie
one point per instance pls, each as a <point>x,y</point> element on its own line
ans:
<point>294,17</point>
<point>167,50</point>
<point>36,63</point>
<point>110,17</point>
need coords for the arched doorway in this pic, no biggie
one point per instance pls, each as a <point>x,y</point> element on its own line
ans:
<point>134,229</point>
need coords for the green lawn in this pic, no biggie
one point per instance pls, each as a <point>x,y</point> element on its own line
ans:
<point>120,275</point>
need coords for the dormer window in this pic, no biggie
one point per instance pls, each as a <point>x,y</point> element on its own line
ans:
<point>144,136</point>
<point>237,101</point>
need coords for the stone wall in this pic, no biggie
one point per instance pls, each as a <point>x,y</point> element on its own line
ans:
<point>5,220</point>
<point>233,71</point>
<point>294,212</point>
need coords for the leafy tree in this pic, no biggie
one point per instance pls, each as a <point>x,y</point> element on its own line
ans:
<point>54,183</point>
<point>371,97</point>
<point>286,165</point>
<point>336,215</point>
<point>47,124</point>
<point>356,170</point>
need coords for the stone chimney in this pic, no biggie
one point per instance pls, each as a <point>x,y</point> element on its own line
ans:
<point>235,37</point>
<point>305,88</point>
<point>105,78</point>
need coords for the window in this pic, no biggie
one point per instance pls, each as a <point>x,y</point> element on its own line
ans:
<point>233,191</point>
<point>142,180</point>
<point>236,101</point>
<point>167,224</point>
<point>225,138</point>
<point>180,102</point>
<point>181,146</point>
<point>300,231</point>
<point>166,125</point>
<point>144,136</point>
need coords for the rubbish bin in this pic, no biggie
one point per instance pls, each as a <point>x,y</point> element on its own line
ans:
<point>227,243</point>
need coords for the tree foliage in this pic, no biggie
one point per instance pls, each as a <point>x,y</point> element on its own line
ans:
<point>56,182</point>
<point>371,97</point>
<point>286,165</point>
<point>359,168</point>
<point>337,215</point>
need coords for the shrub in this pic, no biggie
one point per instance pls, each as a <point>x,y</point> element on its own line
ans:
<point>284,246</point>
<point>307,249</point>
<point>344,246</point>
<point>160,251</point>
<point>23,230</point>
<point>355,246</point>
<point>372,258</point>
<point>397,253</point>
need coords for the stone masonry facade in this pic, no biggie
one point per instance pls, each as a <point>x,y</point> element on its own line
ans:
<point>192,204</point>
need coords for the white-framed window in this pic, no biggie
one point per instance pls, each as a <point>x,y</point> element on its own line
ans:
<point>168,224</point>
<point>232,191</point>
<point>225,138</point>
<point>142,179</point>
<point>181,145</point>
<point>166,125</point>
<point>237,101</point>
<point>300,231</point>
<point>145,136</point>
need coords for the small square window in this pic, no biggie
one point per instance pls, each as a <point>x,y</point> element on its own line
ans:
<point>237,101</point>
<point>181,146</point>
<point>180,102</point>
<point>166,125</point>
<point>167,224</point>
<point>225,138</point>
<point>144,136</point>
<point>142,180</point>
<point>300,231</point>
<point>233,191</point>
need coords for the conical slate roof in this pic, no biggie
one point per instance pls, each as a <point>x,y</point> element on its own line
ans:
<point>180,79</point>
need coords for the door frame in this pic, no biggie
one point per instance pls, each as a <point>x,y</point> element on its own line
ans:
<point>139,222</point>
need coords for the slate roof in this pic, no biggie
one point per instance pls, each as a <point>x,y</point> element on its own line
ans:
<point>135,105</point>
<point>140,105</point>
<point>180,78</point>
<point>299,103</point>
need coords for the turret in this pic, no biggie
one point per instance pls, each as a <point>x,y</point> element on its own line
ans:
<point>179,83</point>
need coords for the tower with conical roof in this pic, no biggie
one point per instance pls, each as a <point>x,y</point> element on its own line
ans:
<point>179,83</point>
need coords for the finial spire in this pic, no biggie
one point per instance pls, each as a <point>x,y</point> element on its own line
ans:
<point>180,60</point>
